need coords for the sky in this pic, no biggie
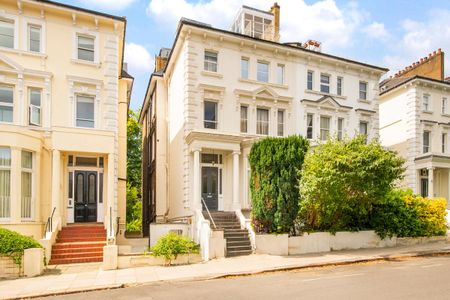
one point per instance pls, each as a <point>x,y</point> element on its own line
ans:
<point>387,33</point>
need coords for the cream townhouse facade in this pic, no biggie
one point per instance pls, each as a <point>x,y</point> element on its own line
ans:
<point>415,121</point>
<point>217,91</point>
<point>64,96</point>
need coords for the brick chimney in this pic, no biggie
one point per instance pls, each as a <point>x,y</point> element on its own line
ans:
<point>275,10</point>
<point>161,59</point>
<point>431,66</point>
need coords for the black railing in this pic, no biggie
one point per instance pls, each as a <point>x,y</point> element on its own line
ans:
<point>207,210</point>
<point>49,224</point>
<point>117,225</point>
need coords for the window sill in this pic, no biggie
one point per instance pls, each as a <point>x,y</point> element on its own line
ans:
<point>86,63</point>
<point>325,94</point>
<point>212,74</point>
<point>281,86</point>
<point>446,115</point>
<point>24,52</point>
<point>430,112</point>
<point>364,101</point>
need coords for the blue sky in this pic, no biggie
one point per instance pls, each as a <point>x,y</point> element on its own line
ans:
<point>391,34</point>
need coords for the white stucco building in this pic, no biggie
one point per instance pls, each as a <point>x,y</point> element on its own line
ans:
<point>217,91</point>
<point>415,121</point>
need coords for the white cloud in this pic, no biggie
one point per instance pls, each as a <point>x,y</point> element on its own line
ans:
<point>324,21</point>
<point>420,38</point>
<point>138,58</point>
<point>376,30</point>
<point>109,4</point>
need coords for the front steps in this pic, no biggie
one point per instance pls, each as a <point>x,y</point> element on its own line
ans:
<point>79,244</point>
<point>238,241</point>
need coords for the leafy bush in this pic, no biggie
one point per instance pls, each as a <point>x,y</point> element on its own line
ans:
<point>13,244</point>
<point>171,245</point>
<point>134,209</point>
<point>342,180</point>
<point>406,215</point>
<point>275,165</point>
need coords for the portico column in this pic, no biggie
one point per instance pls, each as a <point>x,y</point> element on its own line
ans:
<point>196,186</point>
<point>56,184</point>
<point>110,216</point>
<point>236,204</point>
<point>430,182</point>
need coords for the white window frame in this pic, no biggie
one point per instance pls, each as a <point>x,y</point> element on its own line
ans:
<point>339,85</point>
<point>11,19</point>
<point>444,105</point>
<point>325,132</point>
<point>209,65</point>
<point>29,28</point>
<point>33,107</point>
<point>340,129</point>
<point>444,142</point>
<point>310,81</point>
<point>7,104</point>
<point>262,122</point>
<point>426,105</point>
<point>258,72</point>
<point>216,122</point>
<point>7,168</point>
<point>280,124</point>
<point>281,69</point>
<point>87,33</point>
<point>426,148</point>
<point>94,106</point>
<point>32,197</point>
<point>245,72</point>
<point>325,85</point>
<point>366,94</point>
<point>244,120</point>
<point>35,22</point>
<point>310,126</point>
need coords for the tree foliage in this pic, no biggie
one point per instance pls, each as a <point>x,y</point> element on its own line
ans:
<point>342,180</point>
<point>404,214</point>
<point>275,165</point>
<point>13,244</point>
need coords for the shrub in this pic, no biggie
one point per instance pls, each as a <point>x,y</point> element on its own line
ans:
<point>134,209</point>
<point>342,180</point>
<point>406,215</point>
<point>275,165</point>
<point>171,245</point>
<point>13,244</point>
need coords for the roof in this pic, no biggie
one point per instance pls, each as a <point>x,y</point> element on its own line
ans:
<point>189,22</point>
<point>123,19</point>
<point>126,75</point>
<point>395,82</point>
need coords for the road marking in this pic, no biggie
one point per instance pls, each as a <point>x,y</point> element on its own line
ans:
<point>432,266</point>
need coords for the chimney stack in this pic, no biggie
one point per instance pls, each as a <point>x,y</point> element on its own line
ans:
<point>161,59</point>
<point>275,10</point>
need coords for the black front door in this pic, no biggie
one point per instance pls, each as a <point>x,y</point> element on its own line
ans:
<point>210,193</point>
<point>85,196</point>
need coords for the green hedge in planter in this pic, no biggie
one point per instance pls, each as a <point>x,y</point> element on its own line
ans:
<point>13,244</point>
<point>404,214</point>
<point>275,165</point>
<point>171,245</point>
<point>342,180</point>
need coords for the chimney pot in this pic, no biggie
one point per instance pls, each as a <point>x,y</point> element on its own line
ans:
<point>439,50</point>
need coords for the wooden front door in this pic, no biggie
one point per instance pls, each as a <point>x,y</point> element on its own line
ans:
<point>85,196</point>
<point>210,184</point>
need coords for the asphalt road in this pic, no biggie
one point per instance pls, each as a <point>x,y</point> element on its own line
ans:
<point>420,278</point>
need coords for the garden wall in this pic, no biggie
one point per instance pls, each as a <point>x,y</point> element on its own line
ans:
<point>140,260</point>
<point>32,264</point>
<point>318,242</point>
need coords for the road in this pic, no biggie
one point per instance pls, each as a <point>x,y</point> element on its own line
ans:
<point>420,278</point>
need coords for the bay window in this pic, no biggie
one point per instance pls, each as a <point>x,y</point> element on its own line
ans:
<point>27,185</point>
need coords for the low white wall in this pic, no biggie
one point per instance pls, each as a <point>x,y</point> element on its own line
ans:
<point>345,240</point>
<point>33,262</point>
<point>110,253</point>
<point>309,243</point>
<point>159,230</point>
<point>131,261</point>
<point>217,244</point>
<point>274,244</point>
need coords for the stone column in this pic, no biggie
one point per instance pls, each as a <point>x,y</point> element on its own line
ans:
<point>56,182</point>
<point>197,202</point>
<point>15,199</point>
<point>430,182</point>
<point>236,203</point>
<point>110,210</point>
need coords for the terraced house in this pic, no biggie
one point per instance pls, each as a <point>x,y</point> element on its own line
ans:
<point>217,91</point>
<point>415,121</point>
<point>64,94</point>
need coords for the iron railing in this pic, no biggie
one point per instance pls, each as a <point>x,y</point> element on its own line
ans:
<point>49,225</point>
<point>209,214</point>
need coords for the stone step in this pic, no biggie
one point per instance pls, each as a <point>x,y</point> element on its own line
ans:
<point>80,254</point>
<point>61,261</point>
<point>76,250</point>
<point>78,245</point>
<point>238,242</point>
<point>238,253</point>
<point>80,239</point>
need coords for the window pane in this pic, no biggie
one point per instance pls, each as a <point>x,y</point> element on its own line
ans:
<point>27,160</point>
<point>244,68</point>
<point>26,207</point>
<point>5,157</point>
<point>339,86</point>
<point>35,97</point>
<point>86,42</point>
<point>280,123</point>
<point>85,111</point>
<point>34,34</point>
<point>6,94</point>
<point>86,54</point>
<point>210,115</point>
<point>263,72</point>
<point>80,188</point>
<point>5,193</point>
<point>309,126</point>
<point>280,74</point>
<point>324,127</point>
<point>6,114</point>
<point>70,185</point>
<point>100,186</point>
<point>92,189</point>
<point>340,128</point>
<point>86,161</point>
<point>210,61</point>
<point>262,124</point>
<point>208,158</point>
<point>324,83</point>
<point>363,128</point>
<point>362,90</point>
<point>310,80</point>
<point>243,118</point>
<point>7,34</point>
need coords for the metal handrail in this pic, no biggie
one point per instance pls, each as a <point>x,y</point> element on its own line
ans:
<point>110,222</point>
<point>49,225</point>
<point>117,227</point>
<point>207,210</point>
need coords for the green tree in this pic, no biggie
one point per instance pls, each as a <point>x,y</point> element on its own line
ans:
<point>134,149</point>
<point>341,182</point>
<point>275,165</point>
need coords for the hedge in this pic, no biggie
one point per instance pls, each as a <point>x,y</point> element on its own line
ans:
<point>13,244</point>
<point>407,215</point>
<point>275,164</point>
<point>171,245</point>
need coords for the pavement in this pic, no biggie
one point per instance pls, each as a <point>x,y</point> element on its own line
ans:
<point>66,279</point>
<point>409,279</point>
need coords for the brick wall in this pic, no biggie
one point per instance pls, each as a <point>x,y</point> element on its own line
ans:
<point>8,269</point>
